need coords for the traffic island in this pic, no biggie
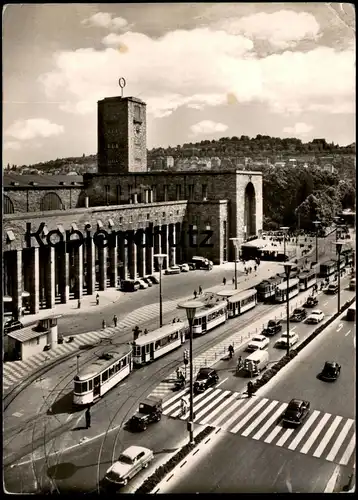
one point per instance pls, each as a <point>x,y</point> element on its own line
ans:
<point>159,474</point>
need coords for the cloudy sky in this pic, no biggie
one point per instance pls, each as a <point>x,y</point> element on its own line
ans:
<point>205,70</point>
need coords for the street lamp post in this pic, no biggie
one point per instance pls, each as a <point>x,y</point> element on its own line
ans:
<point>339,248</point>
<point>288,266</point>
<point>78,363</point>
<point>236,245</point>
<point>316,223</point>
<point>190,308</point>
<point>284,229</point>
<point>160,259</point>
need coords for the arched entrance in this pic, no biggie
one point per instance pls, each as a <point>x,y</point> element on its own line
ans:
<point>250,210</point>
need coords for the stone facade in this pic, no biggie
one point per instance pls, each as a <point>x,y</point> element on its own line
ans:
<point>28,199</point>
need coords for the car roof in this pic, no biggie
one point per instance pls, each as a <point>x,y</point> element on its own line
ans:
<point>295,402</point>
<point>316,311</point>
<point>151,401</point>
<point>331,363</point>
<point>133,451</point>
<point>206,371</point>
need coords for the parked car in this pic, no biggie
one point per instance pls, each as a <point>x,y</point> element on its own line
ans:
<point>330,371</point>
<point>173,270</point>
<point>257,342</point>
<point>142,284</point>
<point>12,325</point>
<point>352,284</point>
<point>272,328</point>
<point>207,377</point>
<point>149,411</point>
<point>147,280</point>
<point>311,302</point>
<point>153,279</point>
<point>296,412</point>
<point>292,339</point>
<point>202,263</point>
<point>129,463</point>
<point>315,317</point>
<point>298,314</point>
<point>184,268</point>
<point>332,288</point>
<point>129,285</point>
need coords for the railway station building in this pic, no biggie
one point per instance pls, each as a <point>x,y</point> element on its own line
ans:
<point>66,236</point>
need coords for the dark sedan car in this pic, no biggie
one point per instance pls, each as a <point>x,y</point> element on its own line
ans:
<point>331,371</point>
<point>207,377</point>
<point>273,327</point>
<point>311,302</point>
<point>296,412</point>
<point>298,315</point>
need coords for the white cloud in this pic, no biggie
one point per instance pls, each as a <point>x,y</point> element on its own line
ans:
<point>299,128</point>
<point>199,68</point>
<point>281,29</point>
<point>105,20</point>
<point>14,145</point>
<point>23,130</point>
<point>208,127</point>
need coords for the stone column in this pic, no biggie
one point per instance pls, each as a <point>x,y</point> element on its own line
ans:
<point>50,278</point>
<point>102,261</point>
<point>17,285</point>
<point>64,273</point>
<point>142,256</point>
<point>164,230</point>
<point>132,254</point>
<point>78,267</point>
<point>172,249</point>
<point>123,252</point>
<point>149,250</point>
<point>34,281</point>
<point>146,197</point>
<point>179,242</point>
<point>114,262</point>
<point>90,266</point>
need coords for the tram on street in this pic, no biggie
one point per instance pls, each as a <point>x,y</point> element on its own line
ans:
<point>155,344</point>
<point>208,317</point>
<point>97,378</point>
<point>267,288</point>
<point>281,290</point>
<point>307,279</point>
<point>328,269</point>
<point>241,302</point>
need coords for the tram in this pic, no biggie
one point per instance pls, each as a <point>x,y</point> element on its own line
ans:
<point>281,290</point>
<point>267,288</point>
<point>155,344</point>
<point>240,302</point>
<point>348,255</point>
<point>328,269</point>
<point>208,317</point>
<point>307,279</point>
<point>97,378</point>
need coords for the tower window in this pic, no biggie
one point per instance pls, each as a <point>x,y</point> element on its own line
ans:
<point>165,192</point>
<point>118,195</point>
<point>204,191</point>
<point>137,113</point>
<point>178,191</point>
<point>106,189</point>
<point>191,191</point>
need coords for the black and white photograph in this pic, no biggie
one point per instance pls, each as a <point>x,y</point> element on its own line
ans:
<point>179,240</point>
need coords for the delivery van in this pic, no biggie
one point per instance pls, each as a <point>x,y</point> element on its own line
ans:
<point>256,362</point>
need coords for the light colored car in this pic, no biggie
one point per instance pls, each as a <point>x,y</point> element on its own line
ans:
<point>184,268</point>
<point>315,317</point>
<point>130,462</point>
<point>142,284</point>
<point>257,342</point>
<point>290,339</point>
<point>173,270</point>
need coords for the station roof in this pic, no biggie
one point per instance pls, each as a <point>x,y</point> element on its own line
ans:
<point>26,334</point>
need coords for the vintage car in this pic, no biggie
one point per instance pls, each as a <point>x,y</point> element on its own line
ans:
<point>149,411</point>
<point>147,280</point>
<point>12,325</point>
<point>129,463</point>
<point>257,342</point>
<point>296,412</point>
<point>292,338</point>
<point>272,328</point>
<point>207,377</point>
<point>315,317</point>
<point>298,314</point>
<point>331,289</point>
<point>173,270</point>
<point>331,371</point>
<point>153,279</point>
<point>141,284</point>
<point>311,301</point>
<point>184,268</point>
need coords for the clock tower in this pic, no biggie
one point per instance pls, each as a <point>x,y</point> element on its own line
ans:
<point>122,141</point>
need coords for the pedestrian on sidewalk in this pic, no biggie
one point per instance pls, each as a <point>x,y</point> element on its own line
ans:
<point>115,320</point>
<point>200,290</point>
<point>224,281</point>
<point>233,280</point>
<point>79,304</point>
<point>104,324</point>
<point>145,331</point>
<point>88,417</point>
<point>195,294</point>
<point>97,299</point>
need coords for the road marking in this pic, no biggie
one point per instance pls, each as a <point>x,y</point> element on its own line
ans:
<point>256,422</point>
<point>342,435</point>
<point>314,435</point>
<point>293,328</point>
<point>327,437</point>
<point>217,385</point>
<point>219,408</point>
<point>325,303</point>
<point>349,331</point>
<point>303,430</point>
<point>273,434</point>
<point>285,436</point>
<point>269,421</point>
<point>349,450</point>
<point>332,480</point>
<point>229,410</point>
<point>248,416</point>
<point>198,406</point>
<point>340,327</point>
<point>202,412</point>
<point>17,414</point>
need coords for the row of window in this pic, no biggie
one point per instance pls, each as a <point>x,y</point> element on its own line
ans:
<point>282,293</point>
<point>106,375</point>
<point>166,340</point>
<point>210,317</point>
<point>190,190</point>
<point>248,300</point>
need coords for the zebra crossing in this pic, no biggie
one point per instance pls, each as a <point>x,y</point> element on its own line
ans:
<point>322,435</point>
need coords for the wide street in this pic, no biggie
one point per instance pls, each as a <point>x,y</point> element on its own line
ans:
<point>256,454</point>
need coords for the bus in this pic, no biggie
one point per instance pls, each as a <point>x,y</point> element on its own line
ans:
<point>267,288</point>
<point>351,312</point>
<point>348,255</point>
<point>209,316</point>
<point>281,290</point>
<point>97,378</point>
<point>328,269</point>
<point>241,302</point>
<point>155,344</point>
<point>307,279</point>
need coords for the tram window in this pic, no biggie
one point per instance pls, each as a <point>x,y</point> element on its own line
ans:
<point>124,362</point>
<point>78,387</point>
<point>157,345</point>
<point>118,366</point>
<point>147,347</point>
<point>90,385</point>
<point>111,371</point>
<point>105,376</point>
<point>84,387</point>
